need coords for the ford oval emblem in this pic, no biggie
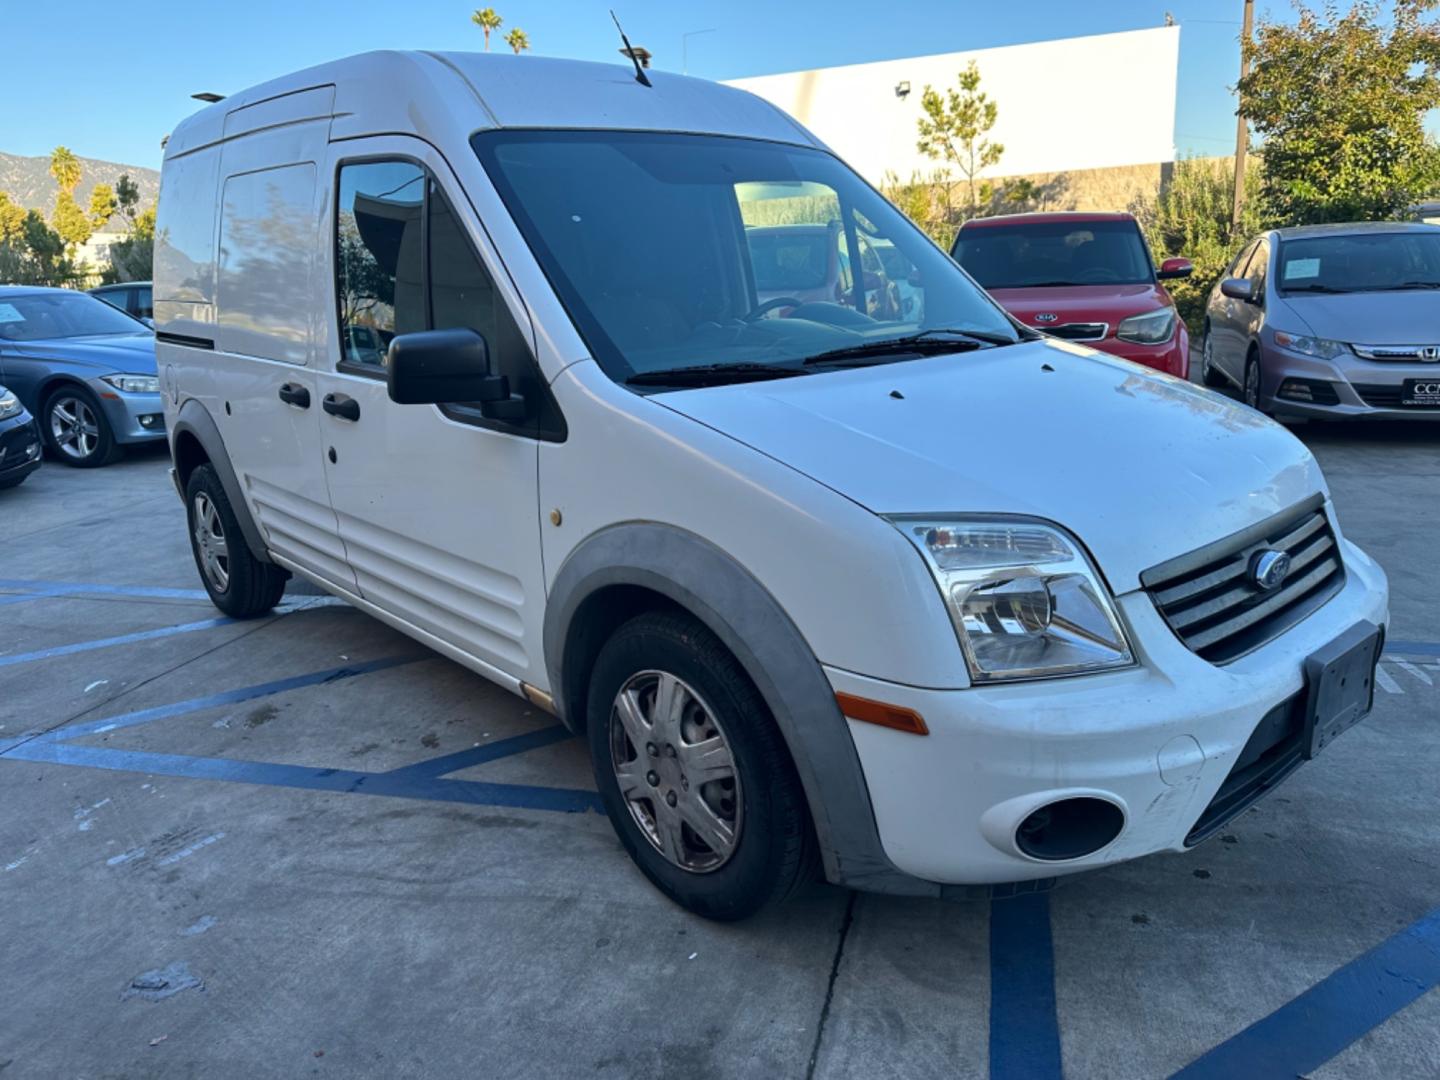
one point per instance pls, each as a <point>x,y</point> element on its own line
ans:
<point>1046,316</point>
<point>1268,569</point>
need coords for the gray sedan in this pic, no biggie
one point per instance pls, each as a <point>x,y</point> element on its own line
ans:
<point>1331,322</point>
<point>84,369</point>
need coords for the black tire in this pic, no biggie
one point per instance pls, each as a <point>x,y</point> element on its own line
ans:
<point>1250,389</point>
<point>248,587</point>
<point>74,401</point>
<point>1208,375</point>
<point>774,847</point>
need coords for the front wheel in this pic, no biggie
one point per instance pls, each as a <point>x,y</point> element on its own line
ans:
<point>1252,382</point>
<point>693,771</point>
<point>1208,375</point>
<point>239,584</point>
<point>75,429</point>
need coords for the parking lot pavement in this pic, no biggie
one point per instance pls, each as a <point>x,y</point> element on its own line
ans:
<point>193,880</point>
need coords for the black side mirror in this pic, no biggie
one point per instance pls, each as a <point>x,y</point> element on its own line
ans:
<point>436,367</point>
<point>1238,289</point>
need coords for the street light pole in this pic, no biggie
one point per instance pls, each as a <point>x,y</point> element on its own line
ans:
<point>685,47</point>
<point>1242,126</point>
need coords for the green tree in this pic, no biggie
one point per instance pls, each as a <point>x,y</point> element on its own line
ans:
<point>103,205</point>
<point>1340,101</point>
<point>954,131</point>
<point>132,259</point>
<point>487,21</point>
<point>70,221</point>
<point>1190,218</point>
<point>12,219</point>
<point>518,40</point>
<point>127,198</point>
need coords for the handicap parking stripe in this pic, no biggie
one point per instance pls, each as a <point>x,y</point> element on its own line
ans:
<point>105,643</point>
<point>1299,1037</point>
<point>1024,1028</point>
<point>424,780</point>
<point>69,588</point>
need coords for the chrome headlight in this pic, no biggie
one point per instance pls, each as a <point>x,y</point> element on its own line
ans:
<point>9,404</point>
<point>1025,600</point>
<point>1319,348</point>
<point>1151,328</point>
<point>133,384</point>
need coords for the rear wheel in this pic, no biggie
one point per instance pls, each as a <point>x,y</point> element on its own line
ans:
<point>75,429</point>
<point>693,772</point>
<point>1208,375</point>
<point>239,584</point>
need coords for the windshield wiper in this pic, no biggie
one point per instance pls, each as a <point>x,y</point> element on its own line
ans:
<point>712,374</point>
<point>1315,289</point>
<point>926,341</point>
<point>1401,286</point>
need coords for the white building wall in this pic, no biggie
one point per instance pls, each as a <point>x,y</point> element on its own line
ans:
<point>1077,103</point>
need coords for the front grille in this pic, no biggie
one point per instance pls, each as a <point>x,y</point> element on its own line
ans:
<point>1209,599</point>
<point>1383,397</point>
<point>1273,751</point>
<point>1079,331</point>
<point>1410,354</point>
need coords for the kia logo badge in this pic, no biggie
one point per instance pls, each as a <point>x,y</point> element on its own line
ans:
<point>1051,317</point>
<point>1430,353</point>
<point>1268,569</point>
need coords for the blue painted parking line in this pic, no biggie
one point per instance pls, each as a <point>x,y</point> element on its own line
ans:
<point>424,780</point>
<point>1299,1037</point>
<point>1024,1027</point>
<point>105,643</point>
<point>25,598</point>
<point>1413,648</point>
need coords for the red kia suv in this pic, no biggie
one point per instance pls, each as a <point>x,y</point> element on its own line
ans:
<point>1082,277</point>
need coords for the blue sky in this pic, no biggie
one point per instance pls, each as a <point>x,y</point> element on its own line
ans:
<point>109,80</point>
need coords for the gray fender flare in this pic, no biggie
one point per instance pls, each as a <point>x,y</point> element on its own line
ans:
<point>715,589</point>
<point>195,420</point>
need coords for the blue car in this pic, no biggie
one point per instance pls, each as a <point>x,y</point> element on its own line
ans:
<point>19,441</point>
<point>84,369</point>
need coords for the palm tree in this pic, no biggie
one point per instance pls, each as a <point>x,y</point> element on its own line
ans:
<point>487,20</point>
<point>518,40</point>
<point>65,168</point>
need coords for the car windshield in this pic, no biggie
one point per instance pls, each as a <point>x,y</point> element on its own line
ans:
<point>691,251</point>
<point>1055,253</point>
<point>1361,262</point>
<point>40,316</point>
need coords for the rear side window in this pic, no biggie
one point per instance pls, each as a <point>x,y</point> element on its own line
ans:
<point>404,263</point>
<point>144,304</point>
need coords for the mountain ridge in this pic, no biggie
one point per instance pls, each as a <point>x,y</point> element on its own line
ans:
<point>28,182</point>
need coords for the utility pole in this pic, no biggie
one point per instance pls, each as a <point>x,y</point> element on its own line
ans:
<point>1242,126</point>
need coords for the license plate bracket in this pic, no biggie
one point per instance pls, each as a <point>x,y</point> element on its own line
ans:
<point>1340,685</point>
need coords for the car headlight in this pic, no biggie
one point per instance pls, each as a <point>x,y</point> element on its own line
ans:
<point>1321,348</point>
<point>9,404</point>
<point>1152,328</point>
<point>133,384</point>
<point>1025,600</point>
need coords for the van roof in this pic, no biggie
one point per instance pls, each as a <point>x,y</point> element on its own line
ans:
<point>438,95</point>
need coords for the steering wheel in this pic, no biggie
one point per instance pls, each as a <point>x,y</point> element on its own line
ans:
<point>770,305</point>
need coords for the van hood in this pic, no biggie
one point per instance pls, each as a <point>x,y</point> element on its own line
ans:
<point>1140,466</point>
<point>1372,318</point>
<point>1081,303</point>
<point>132,354</point>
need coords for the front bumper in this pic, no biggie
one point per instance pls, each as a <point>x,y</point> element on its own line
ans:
<point>19,447</point>
<point>1364,389</point>
<point>1158,741</point>
<point>134,418</point>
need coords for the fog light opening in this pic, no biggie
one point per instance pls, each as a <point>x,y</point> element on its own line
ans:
<point>1069,829</point>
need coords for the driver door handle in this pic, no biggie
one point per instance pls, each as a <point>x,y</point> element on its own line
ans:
<point>341,405</point>
<point>295,394</point>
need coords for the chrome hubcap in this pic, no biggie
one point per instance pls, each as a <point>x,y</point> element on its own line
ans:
<point>676,772</point>
<point>74,428</point>
<point>210,542</point>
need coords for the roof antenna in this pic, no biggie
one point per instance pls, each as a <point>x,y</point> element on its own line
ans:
<point>640,75</point>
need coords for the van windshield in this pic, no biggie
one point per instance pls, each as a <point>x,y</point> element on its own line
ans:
<point>693,251</point>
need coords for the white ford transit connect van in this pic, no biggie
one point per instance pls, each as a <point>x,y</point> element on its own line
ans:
<point>474,342</point>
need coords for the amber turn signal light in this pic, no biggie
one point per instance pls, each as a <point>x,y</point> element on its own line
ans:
<point>877,712</point>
